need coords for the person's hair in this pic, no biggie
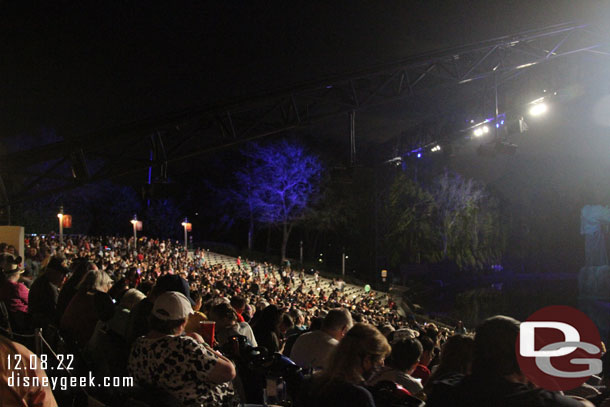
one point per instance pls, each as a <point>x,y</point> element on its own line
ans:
<point>79,269</point>
<point>386,329</point>
<point>222,312</point>
<point>432,331</point>
<point>168,327</point>
<point>238,302</point>
<point>195,295</point>
<point>456,356</point>
<point>295,314</point>
<point>131,297</point>
<point>145,286</point>
<point>336,319</point>
<point>494,347</point>
<point>361,340</point>
<point>316,323</point>
<point>269,319</point>
<point>405,353</point>
<point>427,343</point>
<point>94,280</point>
<point>287,321</point>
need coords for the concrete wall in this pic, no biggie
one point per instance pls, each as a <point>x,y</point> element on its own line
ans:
<point>13,235</point>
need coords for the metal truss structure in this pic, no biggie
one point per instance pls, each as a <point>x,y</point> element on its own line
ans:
<point>186,135</point>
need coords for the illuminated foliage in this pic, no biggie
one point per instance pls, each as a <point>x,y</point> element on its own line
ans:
<point>278,184</point>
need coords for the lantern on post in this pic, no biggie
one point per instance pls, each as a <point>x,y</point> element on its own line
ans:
<point>187,228</point>
<point>66,221</point>
<point>60,217</point>
<point>137,225</point>
<point>384,275</point>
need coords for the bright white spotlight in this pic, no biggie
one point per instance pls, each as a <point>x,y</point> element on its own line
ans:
<point>485,129</point>
<point>436,148</point>
<point>478,132</point>
<point>538,109</point>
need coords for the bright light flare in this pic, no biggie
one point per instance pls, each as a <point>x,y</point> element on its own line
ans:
<point>479,131</point>
<point>538,109</point>
<point>436,148</point>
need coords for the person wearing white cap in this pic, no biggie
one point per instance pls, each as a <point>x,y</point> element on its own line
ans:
<point>184,366</point>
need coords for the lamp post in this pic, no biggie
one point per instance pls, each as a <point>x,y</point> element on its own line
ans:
<point>134,222</point>
<point>186,225</point>
<point>60,216</point>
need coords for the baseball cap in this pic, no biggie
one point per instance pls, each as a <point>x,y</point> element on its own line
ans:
<point>172,282</point>
<point>171,306</point>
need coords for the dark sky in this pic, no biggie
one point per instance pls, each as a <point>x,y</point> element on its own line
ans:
<point>81,66</point>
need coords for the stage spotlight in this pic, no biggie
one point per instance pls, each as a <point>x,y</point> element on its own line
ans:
<point>418,155</point>
<point>538,109</point>
<point>436,148</point>
<point>479,131</point>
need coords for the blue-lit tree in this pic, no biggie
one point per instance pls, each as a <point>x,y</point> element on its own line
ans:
<point>468,221</point>
<point>278,185</point>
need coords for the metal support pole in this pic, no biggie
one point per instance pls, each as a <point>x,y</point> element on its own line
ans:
<point>301,252</point>
<point>60,216</point>
<point>496,111</point>
<point>135,236</point>
<point>134,222</point>
<point>186,242</point>
<point>352,137</point>
<point>343,263</point>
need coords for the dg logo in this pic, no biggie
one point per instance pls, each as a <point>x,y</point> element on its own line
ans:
<point>559,348</point>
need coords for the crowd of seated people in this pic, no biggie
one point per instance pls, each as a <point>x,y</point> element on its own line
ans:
<point>144,310</point>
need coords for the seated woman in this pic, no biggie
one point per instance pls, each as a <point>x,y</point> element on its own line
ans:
<point>403,359</point>
<point>90,305</point>
<point>455,363</point>
<point>227,326</point>
<point>267,328</point>
<point>360,352</point>
<point>182,365</point>
<point>12,292</point>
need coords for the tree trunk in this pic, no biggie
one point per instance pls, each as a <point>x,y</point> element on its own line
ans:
<point>284,240</point>
<point>286,229</point>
